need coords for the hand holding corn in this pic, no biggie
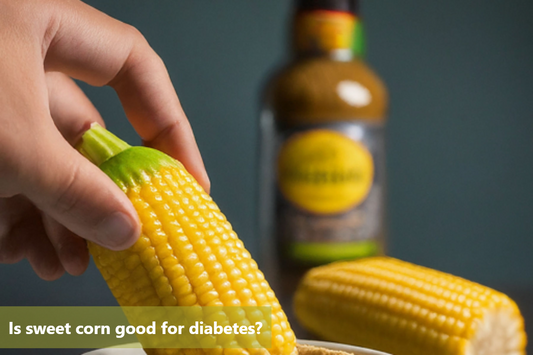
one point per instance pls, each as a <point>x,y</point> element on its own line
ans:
<point>50,196</point>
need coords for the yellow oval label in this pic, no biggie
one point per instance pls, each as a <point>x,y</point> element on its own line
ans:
<point>324,172</point>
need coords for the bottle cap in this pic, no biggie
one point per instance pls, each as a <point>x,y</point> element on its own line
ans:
<point>351,6</point>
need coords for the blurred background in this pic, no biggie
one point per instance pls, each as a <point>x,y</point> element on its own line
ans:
<point>460,129</point>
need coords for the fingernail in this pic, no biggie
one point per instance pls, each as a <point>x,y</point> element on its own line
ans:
<point>115,231</point>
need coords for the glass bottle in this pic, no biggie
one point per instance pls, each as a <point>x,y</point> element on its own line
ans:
<point>322,158</point>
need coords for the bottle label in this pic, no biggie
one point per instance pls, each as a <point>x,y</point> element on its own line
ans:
<point>330,182</point>
<point>323,30</point>
<point>324,172</point>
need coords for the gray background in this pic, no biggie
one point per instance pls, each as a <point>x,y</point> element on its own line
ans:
<point>460,149</point>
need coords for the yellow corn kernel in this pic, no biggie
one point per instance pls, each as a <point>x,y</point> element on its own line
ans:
<point>404,309</point>
<point>179,262</point>
<point>187,254</point>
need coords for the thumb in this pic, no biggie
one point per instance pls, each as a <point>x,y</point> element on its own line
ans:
<point>78,195</point>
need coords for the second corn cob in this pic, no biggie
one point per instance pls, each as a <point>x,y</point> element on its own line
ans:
<point>404,309</point>
<point>188,254</point>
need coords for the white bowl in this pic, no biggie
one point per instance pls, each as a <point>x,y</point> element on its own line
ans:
<point>341,347</point>
<point>355,350</point>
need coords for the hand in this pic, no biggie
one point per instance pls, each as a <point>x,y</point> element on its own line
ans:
<point>51,197</point>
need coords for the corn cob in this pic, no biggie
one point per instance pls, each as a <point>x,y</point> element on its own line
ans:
<point>397,307</point>
<point>187,254</point>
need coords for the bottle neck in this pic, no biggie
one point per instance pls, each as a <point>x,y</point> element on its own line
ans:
<point>324,33</point>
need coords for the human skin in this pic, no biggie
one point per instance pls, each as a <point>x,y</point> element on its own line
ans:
<point>51,198</point>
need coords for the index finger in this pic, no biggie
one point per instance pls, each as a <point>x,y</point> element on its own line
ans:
<point>88,45</point>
